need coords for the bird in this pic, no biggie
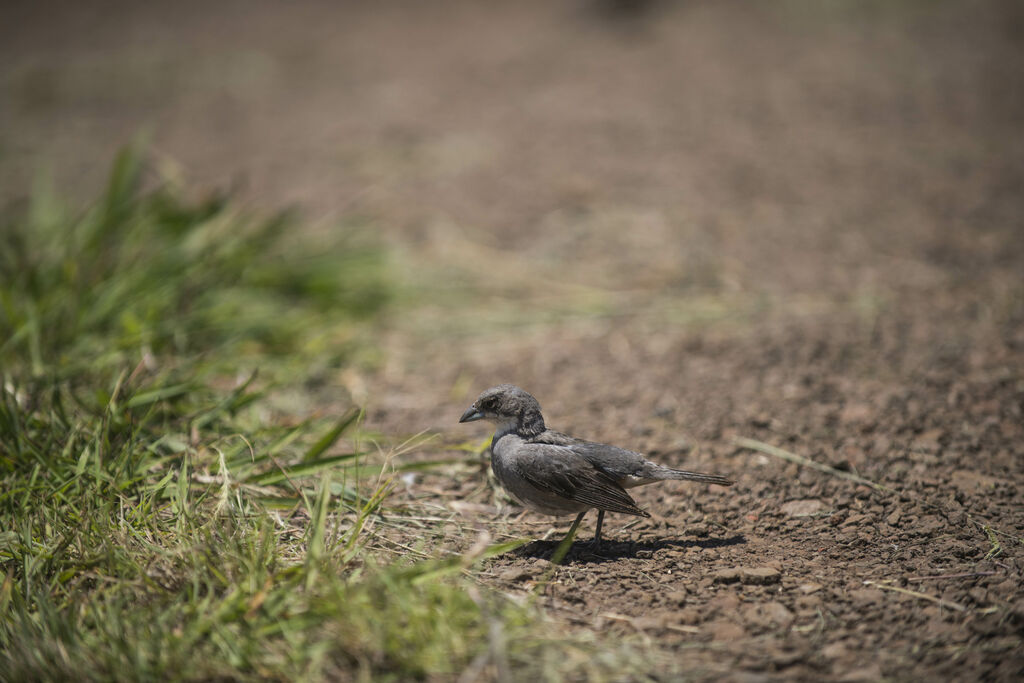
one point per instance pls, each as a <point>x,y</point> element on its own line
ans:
<point>557,474</point>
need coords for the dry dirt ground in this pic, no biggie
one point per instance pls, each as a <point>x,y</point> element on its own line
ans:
<point>678,224</point>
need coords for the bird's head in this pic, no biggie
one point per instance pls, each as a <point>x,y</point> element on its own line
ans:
<point>507,406</point>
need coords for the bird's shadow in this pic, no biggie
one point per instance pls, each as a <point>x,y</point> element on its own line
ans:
<point>583,552</point>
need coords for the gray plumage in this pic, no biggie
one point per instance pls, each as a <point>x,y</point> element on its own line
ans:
<point>557,474</point>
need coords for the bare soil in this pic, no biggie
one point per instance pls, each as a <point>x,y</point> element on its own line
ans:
<point>678,225</point>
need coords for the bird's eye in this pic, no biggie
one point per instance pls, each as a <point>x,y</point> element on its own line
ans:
<point>489,405</point>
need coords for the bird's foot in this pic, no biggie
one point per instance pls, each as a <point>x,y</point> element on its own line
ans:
<point>594,547</point>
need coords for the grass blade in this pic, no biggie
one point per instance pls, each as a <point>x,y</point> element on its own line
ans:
<point>328,439</point>
<point>302,470</point>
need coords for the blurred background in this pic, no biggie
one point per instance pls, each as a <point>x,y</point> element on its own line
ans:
<point>576,190</point>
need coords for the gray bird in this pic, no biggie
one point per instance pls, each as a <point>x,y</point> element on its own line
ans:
<point>557,474</point>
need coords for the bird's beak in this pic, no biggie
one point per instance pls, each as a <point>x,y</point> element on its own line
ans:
<point>471,415</point>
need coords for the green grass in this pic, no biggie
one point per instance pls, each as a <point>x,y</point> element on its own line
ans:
<point>147,271</point>
<point>158,520</point>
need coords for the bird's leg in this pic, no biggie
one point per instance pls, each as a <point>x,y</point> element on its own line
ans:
<point>566,543</point>
<point>596,543</point>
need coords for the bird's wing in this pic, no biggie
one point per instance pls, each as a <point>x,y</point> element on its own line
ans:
<point>616,462</point>
<point>550,436</point>
<point>561,471</point>
<point>626,467</point>
<point>612,460</point>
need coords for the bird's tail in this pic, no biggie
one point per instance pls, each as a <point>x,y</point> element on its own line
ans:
<point>698,476</point>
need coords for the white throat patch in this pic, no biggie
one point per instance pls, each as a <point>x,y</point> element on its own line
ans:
<point>503,427</point>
